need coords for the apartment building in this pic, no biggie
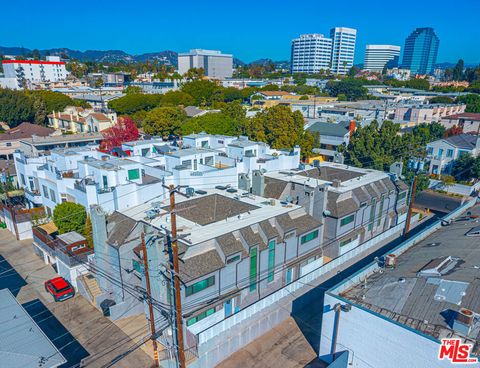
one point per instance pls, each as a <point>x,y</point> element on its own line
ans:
<point>76,119</point>
<point>90,177</point>
<point>353,204</point>
<point>343,49</point>
<point>411,115</point>
<point>332,135</point>
<point>38,145</point>
<point>469,122</point>
<point>443,152</point>
<point>215,64</point>
<point>10,140</point>
<point>22,72</point>
<point>311,53</point>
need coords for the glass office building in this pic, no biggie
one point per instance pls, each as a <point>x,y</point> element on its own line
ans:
<point>420,51</point>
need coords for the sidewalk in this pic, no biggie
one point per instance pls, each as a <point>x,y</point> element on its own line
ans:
<point>102,339</point>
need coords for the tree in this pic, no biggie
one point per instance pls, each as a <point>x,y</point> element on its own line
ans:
<point>88,232</point>
<point>36,54</point>
<point>164,120</point>
<point>351,88</point>
<point>124,131</point>
<point>40,109</point>
<point>69,216</point>
<point>466,167</point>
<point>202,91</point>
<point>212,123</point>
<point>441,100</point>
<point>133,89</point>
<point>472,101</point>
<point>418,83</point>
<point>135,102</point>
<point>448,181</point>
<point>15,107</point>
<point>54,101</point>
<point>457,73</point>
<point>176,98</point>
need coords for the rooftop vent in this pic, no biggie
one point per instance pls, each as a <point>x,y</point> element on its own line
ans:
<point>463,321</point>
<point>221,187</point>
<point>200,192</point>
<point>231,190</point>
<point>438,267</point>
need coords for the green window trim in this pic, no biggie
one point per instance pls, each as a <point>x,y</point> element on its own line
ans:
<point>233,259</point>
<point>199,286</point>
<point>271,260</point>
<point>370,226</point>
<point>253,269</point>
<point>345,242</point>
<point>347,220</point>
<point>401,195</point>
<point>380,212</point>
<point>201,316</point>
<point>309,237</point>
<point>133,174</point>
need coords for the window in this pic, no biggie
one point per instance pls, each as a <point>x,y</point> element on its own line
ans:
<point>370,226</point>
<point>201,316</point>
<point>52,196</point>
<point>105,181</point>
<point>199,286</point>
<point>430,150</point>
<point>402,195</point>
<point>372,209</point>
<point>309,237</point>
<point>133,174</point>
<point>345,242</point>
<point>347,220</point>
<point>380,211</point>
<point>22,177</point>
<point>45,191</point>
<point>449,153</point>
<point>9,144</point>
<point>253,269</point>
<point>271,260</point>
<point>233,259</point>
<point>440,152</point>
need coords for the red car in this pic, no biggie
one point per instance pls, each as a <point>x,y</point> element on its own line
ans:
<point>60,289</point>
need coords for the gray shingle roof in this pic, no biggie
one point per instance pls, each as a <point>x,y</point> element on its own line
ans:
<point>274,188</point>
<point>119,228</point>
<point>229,244</point>
<point>464,141</point>
<point>331,173</point>
<point>340,208</point>
<point>252,238</point>
<point>269,231</point>
<point>305,224</point>
<point>200,265</point>
<point>330,129</point>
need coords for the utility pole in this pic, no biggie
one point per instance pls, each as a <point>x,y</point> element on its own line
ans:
<point>149,296</point>
<point>175,274</point>
<point>410,207</point>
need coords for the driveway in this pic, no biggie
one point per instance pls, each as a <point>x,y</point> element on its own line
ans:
<point>77,329</point>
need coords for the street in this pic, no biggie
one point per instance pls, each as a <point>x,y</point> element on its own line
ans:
<point>75,327</point>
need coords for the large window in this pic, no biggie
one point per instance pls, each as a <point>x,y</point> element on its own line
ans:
<point>380,211</point>
<point>450,153</point>
<point>201,316</point>
<point>199,286</point>
<point>308,237</point>
<point>45,191</point>
<point>253,269</point>
<point>133,174</point>
<point>271,260</point>
<point>347,220</point>
<point>402,195</point>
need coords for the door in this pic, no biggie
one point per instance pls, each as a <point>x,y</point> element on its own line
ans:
<point>228,308</point>
<point>288,278</point>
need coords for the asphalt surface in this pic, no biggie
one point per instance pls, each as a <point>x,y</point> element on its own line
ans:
<point>307,310</point>
<point>50,325</point>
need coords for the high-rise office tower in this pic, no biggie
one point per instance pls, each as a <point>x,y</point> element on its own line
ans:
<point>343,49</point>
<point>311,53</point>
<point>420,51</point>
<point>379,56</point>
<point>215,64</point>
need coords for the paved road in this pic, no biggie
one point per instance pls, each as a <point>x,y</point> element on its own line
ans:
<point>77,328</point>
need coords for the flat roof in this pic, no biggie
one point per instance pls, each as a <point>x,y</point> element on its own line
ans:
<point>350,177</point>
<point>110,164</point>
<point>427,301</point>
<point>63,138</point>
<point>23,343</point>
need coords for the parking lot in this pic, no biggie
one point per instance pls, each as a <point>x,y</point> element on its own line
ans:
<point>82,334</point>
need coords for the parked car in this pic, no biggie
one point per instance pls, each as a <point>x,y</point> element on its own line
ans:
<point>60,289</point>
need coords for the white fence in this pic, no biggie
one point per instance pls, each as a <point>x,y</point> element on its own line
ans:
<point>461,189</point>
<point>284,296</point>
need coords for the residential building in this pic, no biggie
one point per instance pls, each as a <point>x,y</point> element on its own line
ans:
<point>24,344</point>
<point>10,140</point>
<point>35,146</point>
<point>469,122</point>
<point>354,204</point>
<point>332,136</point>
<point>76,119</point>
<point>399,74</point>
<point>343,49</point>
<point>377,57</point>
<point>99,102</point>
<point>396,311</point>
<point>420,51</point>
<point>311,53</point>
<point>215,64</point>
<point>412,115</point>
<point>443,152</point>
<point>25,71</point>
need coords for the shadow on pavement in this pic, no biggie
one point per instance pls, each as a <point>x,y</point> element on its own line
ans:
<point>10,278</point>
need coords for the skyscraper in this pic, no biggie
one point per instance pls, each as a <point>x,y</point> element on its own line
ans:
<point>343,49</point>
<point>311,53</point>
<point>420,51</point>
<point>377,56</point>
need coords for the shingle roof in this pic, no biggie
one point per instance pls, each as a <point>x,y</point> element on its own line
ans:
<point>305,223</point>
<point>121,227</point>
<point>252,238</point>
<point>200,265</point>
<point>274,188</point>
<point>340,208</point>
<point>285,222</point>
<point>269,231</point>
<point>330,129</point>
<point>331,173</point>
<point>464,115</point>
<point>229,244</point>
<point>465,141</point>
<point>25,130</point>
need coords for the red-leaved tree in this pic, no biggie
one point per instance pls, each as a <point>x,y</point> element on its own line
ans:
<point>124,131</point>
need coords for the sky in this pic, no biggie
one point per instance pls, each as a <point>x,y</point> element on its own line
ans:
<point>249,30</point>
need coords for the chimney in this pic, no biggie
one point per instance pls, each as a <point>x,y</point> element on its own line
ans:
<point>336,183</point>
<point>258,183</point>
<point>463,321</point>
<point>352,127</point>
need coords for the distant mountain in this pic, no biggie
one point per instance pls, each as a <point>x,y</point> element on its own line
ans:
<point>278,64</point>
<point>238,62</point>
<point>166,57</point>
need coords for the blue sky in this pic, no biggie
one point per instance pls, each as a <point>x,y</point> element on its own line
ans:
<point>248,29</point>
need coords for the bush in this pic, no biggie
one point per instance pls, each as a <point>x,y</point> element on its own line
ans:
<point>69,216</point>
